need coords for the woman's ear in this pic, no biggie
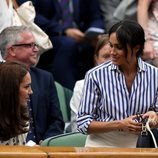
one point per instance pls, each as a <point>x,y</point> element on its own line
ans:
<point>136,48</point>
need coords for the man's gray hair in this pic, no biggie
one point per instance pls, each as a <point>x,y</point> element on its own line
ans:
<point>10,36</point>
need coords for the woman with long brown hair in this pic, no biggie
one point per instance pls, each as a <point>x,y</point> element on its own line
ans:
<point>15,89</point>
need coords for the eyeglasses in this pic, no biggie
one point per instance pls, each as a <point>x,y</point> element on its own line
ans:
<point>27,45</point>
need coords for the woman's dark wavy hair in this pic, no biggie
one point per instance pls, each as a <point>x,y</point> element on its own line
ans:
<point>130,33</point>
<point>13,116</point>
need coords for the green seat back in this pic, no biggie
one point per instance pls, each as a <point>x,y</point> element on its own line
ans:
<point>64,95</point>
<point>75,139</point>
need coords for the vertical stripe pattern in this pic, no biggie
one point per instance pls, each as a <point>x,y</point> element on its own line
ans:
<point>106,97</point>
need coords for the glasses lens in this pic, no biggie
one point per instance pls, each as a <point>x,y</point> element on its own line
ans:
<point>27,45</point>
<point>35,45</point>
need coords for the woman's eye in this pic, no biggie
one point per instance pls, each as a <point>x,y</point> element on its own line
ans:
<point>110,45</point>
<point>119,47</point>
<point>27,86</point>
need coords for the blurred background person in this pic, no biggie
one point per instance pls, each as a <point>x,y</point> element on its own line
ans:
<point>6,13</point>
<point>101,55</point>
<point>15,91</point>
<point>115,10</point>
<point>148,18</point>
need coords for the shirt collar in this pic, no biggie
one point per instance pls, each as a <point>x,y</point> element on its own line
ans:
<point>141,66</point>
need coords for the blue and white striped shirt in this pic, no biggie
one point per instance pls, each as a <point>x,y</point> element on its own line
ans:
<point>106,97</point>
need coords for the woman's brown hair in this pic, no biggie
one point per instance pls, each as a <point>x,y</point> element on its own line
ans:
<point>104,39</point>
<point>13,116</point>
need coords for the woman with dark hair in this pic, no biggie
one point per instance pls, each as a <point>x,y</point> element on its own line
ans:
<point>116,91</point>
<point>15,89</point>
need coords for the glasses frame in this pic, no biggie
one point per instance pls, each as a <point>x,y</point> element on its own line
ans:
<point>27,45</point>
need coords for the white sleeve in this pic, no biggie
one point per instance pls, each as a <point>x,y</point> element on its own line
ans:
<point>75,102</point>
<point>6,13</point>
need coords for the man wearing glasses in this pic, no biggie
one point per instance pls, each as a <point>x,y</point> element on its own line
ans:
<point>17,43</point>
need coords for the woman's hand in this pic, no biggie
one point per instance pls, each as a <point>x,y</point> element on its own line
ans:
<point>131,125</point>
<point>152,117</point>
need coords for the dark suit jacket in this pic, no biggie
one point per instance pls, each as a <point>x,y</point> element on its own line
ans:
<point>49,15</point>
<point>45,105</point>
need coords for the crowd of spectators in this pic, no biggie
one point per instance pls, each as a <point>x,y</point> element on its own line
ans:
<point>75,27</point>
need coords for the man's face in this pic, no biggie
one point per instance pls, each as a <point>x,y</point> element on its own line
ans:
<point>26,49</point>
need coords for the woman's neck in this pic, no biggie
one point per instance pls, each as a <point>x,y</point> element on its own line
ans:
<point>129,67</point>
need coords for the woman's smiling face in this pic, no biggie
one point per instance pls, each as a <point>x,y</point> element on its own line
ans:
<point>25,90</point>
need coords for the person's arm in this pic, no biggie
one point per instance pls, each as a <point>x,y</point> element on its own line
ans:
<point>128,125</point>
<point>75,33</point>
<point>143,12</point>
<point>143,17</point>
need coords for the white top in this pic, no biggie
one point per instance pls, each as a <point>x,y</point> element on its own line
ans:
<point>6,14</point>
<point>115,139</point>
<point>74,103</point>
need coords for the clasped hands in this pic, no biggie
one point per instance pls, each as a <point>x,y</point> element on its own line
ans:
<point>132,125</point>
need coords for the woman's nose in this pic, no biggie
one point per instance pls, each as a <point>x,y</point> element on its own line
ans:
<point>112,51</point>
<point>30,91</point>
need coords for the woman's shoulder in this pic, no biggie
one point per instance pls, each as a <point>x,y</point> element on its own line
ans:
<point>18,140</point>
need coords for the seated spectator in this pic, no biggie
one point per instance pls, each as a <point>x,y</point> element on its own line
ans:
<point>71,52</point>
<point>15,91</point>
<point>17,43</point>
<point>101,55</point>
